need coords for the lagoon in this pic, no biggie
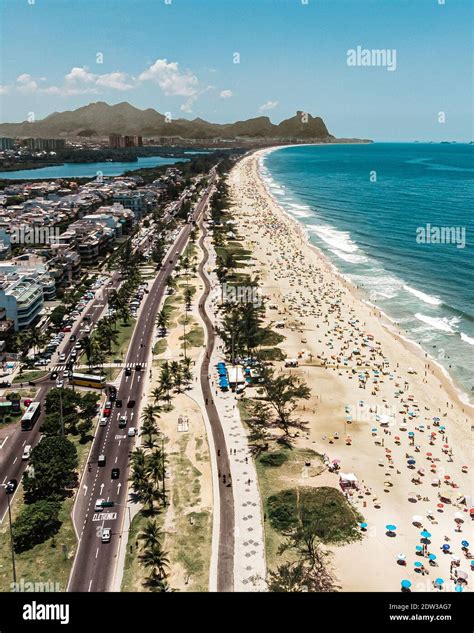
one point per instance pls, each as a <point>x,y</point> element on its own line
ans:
<point>89,170</point>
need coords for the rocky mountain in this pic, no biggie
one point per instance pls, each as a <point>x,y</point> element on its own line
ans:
<point>100,119</point>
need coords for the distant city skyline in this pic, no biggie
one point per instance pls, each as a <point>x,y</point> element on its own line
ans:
<point>383,70</point>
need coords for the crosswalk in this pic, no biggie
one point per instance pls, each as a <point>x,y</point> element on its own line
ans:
<point>83,369</point>
<point>132,365</point>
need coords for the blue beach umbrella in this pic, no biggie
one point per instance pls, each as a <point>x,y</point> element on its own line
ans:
<point>459,588</point>
<point>410,433</point>
<point>425,534</point>
<point>406,584</point>
<point>418,548</point>
<point>439,581</point>
<point>432,556</point>
<point>391,528</point>
<point>446,546</point>
<point>363,525</point>
<point>411,461</point>
<point>464,543</point>
<point>418,564</point>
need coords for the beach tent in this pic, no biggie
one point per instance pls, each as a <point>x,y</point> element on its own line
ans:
<point>347,480</point>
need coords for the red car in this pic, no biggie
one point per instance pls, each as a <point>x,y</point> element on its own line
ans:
<point>27,402</point>
<point>106,413</point>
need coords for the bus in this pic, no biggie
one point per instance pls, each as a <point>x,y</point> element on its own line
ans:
<point>30,416</point>
<point>87,380</point>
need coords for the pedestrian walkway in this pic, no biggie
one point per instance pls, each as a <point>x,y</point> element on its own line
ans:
<point>249,537</point>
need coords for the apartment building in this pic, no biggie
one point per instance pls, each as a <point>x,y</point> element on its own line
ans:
<point>22,300</point>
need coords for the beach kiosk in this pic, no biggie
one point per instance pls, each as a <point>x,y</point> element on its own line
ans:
<point>348,481</point>
<point>236,376</point>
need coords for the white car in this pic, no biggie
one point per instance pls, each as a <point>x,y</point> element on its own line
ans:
<point>98,505</point>
<point>132,431</point>
<point>59,384</point>
<point>106,534</point>
<point>62,356</point>
<point>26,452</point>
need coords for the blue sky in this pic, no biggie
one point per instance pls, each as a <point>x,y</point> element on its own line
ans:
<point>179,58</point>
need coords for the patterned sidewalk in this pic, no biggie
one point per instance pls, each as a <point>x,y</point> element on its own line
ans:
<point>249,548</point>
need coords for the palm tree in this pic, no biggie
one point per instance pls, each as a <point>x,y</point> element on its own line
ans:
<point>166,381</point>
<point>149,493</point>
<point>156,559</point>
<point>138,458</point>
<point>171,283</point>
<point>156,465</point>
<point>186,373</point>
<point>162,320</point>
<point>149,429</point>
<point>157,394</point>
<point>124,313</point>
<point>90,348</point>
<point>151,535</point>
<point>176,375</point>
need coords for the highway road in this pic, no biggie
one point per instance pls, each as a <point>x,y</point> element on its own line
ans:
<point>225,569</point>
<point>13,439</point>
<point>95,562</point>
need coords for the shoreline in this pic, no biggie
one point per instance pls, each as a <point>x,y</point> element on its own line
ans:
<point>413,346</point>
<point>325,317</point>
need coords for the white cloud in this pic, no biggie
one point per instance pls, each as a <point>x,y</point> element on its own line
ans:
<point>77,81</point>
<point>226,94</point>
<point>116,81</point>
<point>26,84</point>
<point>269,105</point>
<point>171,80</point>
<point>80,80</point>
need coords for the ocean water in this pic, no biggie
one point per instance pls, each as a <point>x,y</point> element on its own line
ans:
<point>89,170</point>
<point>378,212</point>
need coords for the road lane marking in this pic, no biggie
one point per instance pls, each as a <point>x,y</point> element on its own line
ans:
<point>14,461</point>
<point>3,443</point>
<point>104,516</point>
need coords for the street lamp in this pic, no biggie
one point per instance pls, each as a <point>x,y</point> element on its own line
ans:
<point>11,531</point>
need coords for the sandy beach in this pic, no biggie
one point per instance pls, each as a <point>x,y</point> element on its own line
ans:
<point>380,407</point>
